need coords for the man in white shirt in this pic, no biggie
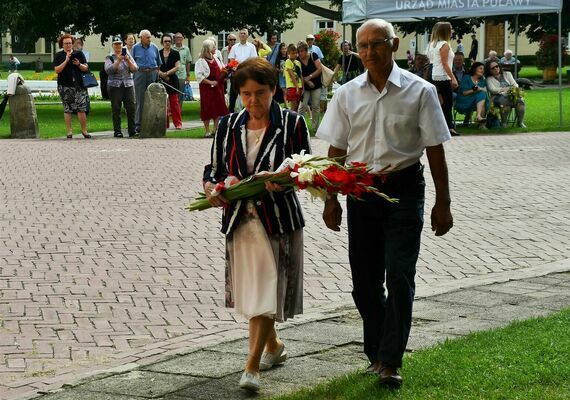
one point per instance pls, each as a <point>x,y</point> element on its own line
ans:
<point>386,118</point>
<point>240,52</point>
<point>183,72</point>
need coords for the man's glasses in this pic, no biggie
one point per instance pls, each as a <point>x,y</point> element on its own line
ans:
<point>494,66</point>
<point>371,45</point>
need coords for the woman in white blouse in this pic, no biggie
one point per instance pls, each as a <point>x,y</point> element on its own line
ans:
<point>441,57</point>
<point>210,75</point>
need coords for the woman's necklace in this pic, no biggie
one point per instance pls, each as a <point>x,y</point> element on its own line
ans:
<point>258,136</point>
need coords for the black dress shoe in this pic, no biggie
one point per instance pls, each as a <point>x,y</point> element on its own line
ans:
<point>389,377</point>
<point>118,134</point>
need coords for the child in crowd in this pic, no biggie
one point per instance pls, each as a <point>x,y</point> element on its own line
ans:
<point>293,80</point>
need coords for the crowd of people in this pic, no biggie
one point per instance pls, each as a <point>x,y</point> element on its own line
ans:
<point>486,88</point>
<point>132,66</point>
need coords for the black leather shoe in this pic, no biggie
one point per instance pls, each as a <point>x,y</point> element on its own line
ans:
<point>118,134</point>
<point>389,377</point>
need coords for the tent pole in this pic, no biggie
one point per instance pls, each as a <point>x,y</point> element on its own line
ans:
<point>343,55</point>
<point>560,63</point>
<point>516,46</point>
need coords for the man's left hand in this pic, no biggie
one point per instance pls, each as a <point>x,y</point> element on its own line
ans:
<point>441,219</point>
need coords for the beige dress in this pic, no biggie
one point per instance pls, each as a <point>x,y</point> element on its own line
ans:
<point>253,266</point>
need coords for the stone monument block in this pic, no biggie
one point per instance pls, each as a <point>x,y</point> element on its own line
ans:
<point>23,117</point>
<point>153,124</point>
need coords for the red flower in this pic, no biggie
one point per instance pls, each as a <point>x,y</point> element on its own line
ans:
<point>233,64</point>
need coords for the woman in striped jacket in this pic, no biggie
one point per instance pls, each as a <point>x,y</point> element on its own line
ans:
<point>264,238</point>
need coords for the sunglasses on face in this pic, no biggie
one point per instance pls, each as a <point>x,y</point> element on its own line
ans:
<point>494,66</point>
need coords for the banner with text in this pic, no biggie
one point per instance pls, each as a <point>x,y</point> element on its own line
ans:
<point>410,10</point>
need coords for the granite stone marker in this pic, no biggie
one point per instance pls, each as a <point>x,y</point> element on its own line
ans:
<point>153,123</point>
<point>23,117</point>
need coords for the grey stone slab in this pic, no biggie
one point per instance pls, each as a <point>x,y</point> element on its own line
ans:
<point>76,394</point>
<point>295,348</point>
<point>352,354</point>
<point>23,116</point>
<point>432,310</point>
<point>423,339</point>
<point>545,280</point>
<point>211,364</point>
<point>324,332</point>
<point>508,312</point>
<point>480,298</point>
<point>552,303</point>
<point>142,383</point>
<point>463,326</point>
<point>226,388</point>
<point>515,287</point>
<point>309,371</point>
<point>153,124</point>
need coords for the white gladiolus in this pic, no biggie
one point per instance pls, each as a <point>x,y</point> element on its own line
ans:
<point>306,175</point>
<point>317,193</point>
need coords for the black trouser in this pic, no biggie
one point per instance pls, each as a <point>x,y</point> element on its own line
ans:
<point>384,243</point>
<point>233,98</point>
<point>446,93</point>
<point>126,96</point>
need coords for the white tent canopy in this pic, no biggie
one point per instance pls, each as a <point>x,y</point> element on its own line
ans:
<point>355,11</point>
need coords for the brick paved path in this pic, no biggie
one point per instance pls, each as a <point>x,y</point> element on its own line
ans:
<point>100,264</point>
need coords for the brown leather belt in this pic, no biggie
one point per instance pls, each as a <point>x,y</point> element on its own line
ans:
<point>148,69</point>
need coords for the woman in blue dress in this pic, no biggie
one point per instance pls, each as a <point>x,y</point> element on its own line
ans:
<point>472,94</point>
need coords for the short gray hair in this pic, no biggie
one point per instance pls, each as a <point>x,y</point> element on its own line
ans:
<point>378,23</point>
<point>207,46</point>
<point>508,51</point>
<point>144,32</point>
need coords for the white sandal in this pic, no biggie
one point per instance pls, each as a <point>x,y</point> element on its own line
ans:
<point>268,360</point>
<point>249,381</point>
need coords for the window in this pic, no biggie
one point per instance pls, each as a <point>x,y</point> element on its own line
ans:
<point>19,47</point>
<point>324,24</point>
<point>222,42</point>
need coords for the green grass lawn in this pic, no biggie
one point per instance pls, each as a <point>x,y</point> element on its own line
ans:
<point>527,360</point>
<point>542,115</point>
<point>51,124</point>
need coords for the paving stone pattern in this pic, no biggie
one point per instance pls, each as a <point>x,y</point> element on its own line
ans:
<point>100,265</point>
<point>320,358</point>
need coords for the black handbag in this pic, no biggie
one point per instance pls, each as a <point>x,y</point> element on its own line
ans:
<point>88,80</point>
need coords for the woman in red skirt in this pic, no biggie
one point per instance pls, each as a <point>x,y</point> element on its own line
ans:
<point>210,74</point>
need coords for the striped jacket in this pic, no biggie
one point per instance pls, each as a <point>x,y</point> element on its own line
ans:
<point>287,134</point>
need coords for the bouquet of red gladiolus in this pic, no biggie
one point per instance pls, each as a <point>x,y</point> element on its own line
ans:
<point>320,176</point>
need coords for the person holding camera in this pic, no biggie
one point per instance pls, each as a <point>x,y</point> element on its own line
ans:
<point>167,73</point>
<point>69,65</point>
<point>119,67</point>
<point>472,94</point>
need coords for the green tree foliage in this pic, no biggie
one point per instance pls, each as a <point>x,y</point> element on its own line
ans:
<point>33,19</point>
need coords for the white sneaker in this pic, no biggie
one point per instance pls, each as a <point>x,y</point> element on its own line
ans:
<point>522,125</point>
<point>268,360</point>
<point>249,381</point>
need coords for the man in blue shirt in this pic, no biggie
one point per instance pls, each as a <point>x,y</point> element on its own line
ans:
<point>313,48</point>
<point>147,57</point>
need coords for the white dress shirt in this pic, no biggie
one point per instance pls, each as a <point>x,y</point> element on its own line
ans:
<point>242,52</point>
<point>388,130</point>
